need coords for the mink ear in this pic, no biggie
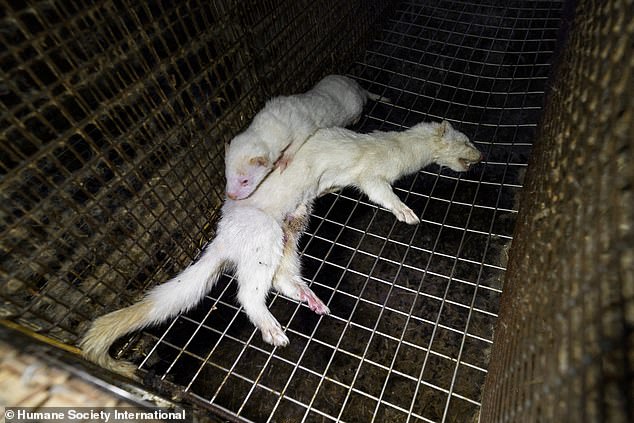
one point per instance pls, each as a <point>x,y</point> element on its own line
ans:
<point>259,161</point>
<point>442,129</point>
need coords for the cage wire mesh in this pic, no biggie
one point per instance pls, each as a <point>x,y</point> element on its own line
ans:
<point>115,115</point>
<point>566,345</point>
<point>114,118</point>
<point>413,308</point>
<point>111,165</point>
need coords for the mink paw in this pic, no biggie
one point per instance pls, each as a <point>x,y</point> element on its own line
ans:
<point>274,335</point>
<point>282,162</point>
<point>313,301</point>
<point>407,215</point>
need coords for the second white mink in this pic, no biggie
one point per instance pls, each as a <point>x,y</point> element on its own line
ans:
<point>284,124</point>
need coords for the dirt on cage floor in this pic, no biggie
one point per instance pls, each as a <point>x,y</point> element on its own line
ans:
<point>413,307</point>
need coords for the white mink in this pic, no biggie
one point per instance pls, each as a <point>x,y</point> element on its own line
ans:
<point>247,240</point>
<point>335,157</point>
<point>258,236</point>
<point>284,124</point>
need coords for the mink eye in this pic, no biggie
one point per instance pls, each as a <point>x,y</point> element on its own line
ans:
<point>244,182</point>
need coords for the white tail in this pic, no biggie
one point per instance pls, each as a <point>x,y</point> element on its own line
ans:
<point>164,301</point>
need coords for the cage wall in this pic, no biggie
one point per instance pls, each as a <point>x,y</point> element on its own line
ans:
<point>114,119</point>
<point>563,347</point>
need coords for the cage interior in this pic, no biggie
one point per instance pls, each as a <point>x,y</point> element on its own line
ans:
<point>97,205</point>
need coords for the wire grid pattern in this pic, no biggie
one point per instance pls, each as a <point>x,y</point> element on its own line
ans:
<point>413,307</point>
<point>108,117</point>
<point>114,116</point>
<point>568,320</point>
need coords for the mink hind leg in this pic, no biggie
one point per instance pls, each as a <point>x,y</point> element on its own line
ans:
<point>256,264</point>
<point>253,287</point>
<point>288,280</point>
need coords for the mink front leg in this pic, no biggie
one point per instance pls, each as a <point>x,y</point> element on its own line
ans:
<point>380,192</point>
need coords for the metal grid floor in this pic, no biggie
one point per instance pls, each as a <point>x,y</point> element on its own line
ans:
<point>413,307</point>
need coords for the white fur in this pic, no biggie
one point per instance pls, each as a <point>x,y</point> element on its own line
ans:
<point>259,235</point>
<point>284,124</point>
<point>247,238</point>
<point>337,157</point>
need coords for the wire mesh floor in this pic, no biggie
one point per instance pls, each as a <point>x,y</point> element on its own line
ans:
<point>413,307</point>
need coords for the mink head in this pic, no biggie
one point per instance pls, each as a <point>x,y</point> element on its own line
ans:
<point>246,165</point>
<point>455,152</point>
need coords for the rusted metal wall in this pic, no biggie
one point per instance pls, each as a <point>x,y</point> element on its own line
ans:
<point>563,347</point>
